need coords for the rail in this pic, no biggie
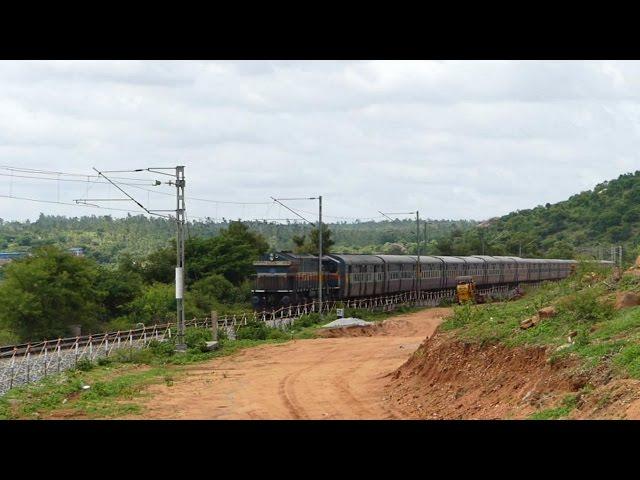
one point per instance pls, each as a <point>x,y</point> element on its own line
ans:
<point>29,362</point>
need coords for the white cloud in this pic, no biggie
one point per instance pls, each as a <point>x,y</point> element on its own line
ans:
<point>462,139</point>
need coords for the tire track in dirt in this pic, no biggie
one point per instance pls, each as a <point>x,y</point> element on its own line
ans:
<point>343,377</point>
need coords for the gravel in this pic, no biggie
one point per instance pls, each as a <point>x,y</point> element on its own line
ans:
<point>347,322</point>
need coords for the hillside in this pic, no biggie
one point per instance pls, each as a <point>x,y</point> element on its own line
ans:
<point>579,358</point>
<point>591,220</point>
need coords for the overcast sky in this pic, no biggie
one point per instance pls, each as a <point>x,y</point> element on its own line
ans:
<point>460,139</point>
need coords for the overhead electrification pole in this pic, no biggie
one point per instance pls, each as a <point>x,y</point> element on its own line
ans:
<point>418,280</point>
<point>181,346</point>
<point>417,241</point>
<point>180,219</point>
<point>319,198</point>
<point>320,251</point>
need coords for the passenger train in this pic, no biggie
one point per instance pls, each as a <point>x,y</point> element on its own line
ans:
<point>286,278</point>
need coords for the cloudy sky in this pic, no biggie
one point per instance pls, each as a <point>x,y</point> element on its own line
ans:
<point>461,139</point>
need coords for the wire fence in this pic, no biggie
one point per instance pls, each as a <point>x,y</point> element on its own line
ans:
<point>31,362</point>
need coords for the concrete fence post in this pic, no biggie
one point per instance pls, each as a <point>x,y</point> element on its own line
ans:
<point>45,359</point>
<point>214,325</point>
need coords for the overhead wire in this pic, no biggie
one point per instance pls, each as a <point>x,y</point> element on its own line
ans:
<point>90,180</point>
<point>134,185</point>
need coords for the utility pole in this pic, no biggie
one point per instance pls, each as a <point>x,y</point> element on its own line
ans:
<point>319,198</point>
<point>320,251</point>
<point>418,248</point>
<point>417,239</point>
<point>181,346</point>
<point>180,219</point>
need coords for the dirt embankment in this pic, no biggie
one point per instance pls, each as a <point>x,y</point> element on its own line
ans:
<point>446,378</point>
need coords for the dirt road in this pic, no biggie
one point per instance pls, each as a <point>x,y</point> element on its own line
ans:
<point>323,378</point>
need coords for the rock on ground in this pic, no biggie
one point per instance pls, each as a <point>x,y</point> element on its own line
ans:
<point>626,300</point>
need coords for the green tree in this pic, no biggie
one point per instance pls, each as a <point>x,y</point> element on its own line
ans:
<point>311,244</point>
<point>117,289</point>
<point>42,295</point>
<point>156,304</point>
<point>159,266</point>
<point>230,254</point>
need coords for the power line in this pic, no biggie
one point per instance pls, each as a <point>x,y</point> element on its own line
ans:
<point>66,179</point>
<point>66,203</point>
<point>52,172</point>
<point>134,185</point>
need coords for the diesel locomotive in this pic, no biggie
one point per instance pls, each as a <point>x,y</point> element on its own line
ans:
<point>286,278</point>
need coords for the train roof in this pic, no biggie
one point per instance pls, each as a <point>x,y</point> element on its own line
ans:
<point>355,258</point>
<point>358,259</point>
<point>398,258</point>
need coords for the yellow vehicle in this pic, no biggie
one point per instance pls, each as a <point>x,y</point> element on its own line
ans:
<point>466,290</point>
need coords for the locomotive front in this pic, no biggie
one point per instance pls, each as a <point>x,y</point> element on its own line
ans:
<point>274,281</point>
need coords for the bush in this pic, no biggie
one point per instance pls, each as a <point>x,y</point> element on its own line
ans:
<point>253,330</point>
<point>585,307</point>
<point>277,334</point>
<point>629,360</point>
<point>84,365</point>
<point>307,321</point>
<point>102,361</point>
<point>162,349</point>
<point>197,338</point>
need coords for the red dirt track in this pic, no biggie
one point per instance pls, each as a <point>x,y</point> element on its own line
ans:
<point>343,377</point>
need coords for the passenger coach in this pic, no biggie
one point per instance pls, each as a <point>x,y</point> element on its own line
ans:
<point>286,278</point>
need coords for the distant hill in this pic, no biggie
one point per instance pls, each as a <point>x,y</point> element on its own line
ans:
<point>586,223</point>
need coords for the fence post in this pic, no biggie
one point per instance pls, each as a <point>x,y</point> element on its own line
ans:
<point>214,325</point>
<point>59,355</point>
<point>28,364</point>
<point>13,366</point>
<point>45,358</point>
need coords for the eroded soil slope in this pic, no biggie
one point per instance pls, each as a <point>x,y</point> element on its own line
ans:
<point>450,379</point>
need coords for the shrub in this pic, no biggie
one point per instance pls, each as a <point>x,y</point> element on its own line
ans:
<point>277,334</point>
<point>162,349</point>
<point>585,307</point>
<point>84,365</point>
<point>197,338</point>
<point>307,320</point>
<point>102,361</point>
<point>253,330</point>
<point>462,315</point>
<point>629,360</point>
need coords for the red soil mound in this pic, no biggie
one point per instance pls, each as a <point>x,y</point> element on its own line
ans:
<point>448,378</point>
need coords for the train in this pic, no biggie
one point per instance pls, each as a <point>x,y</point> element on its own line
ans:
<point>286,278</point>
